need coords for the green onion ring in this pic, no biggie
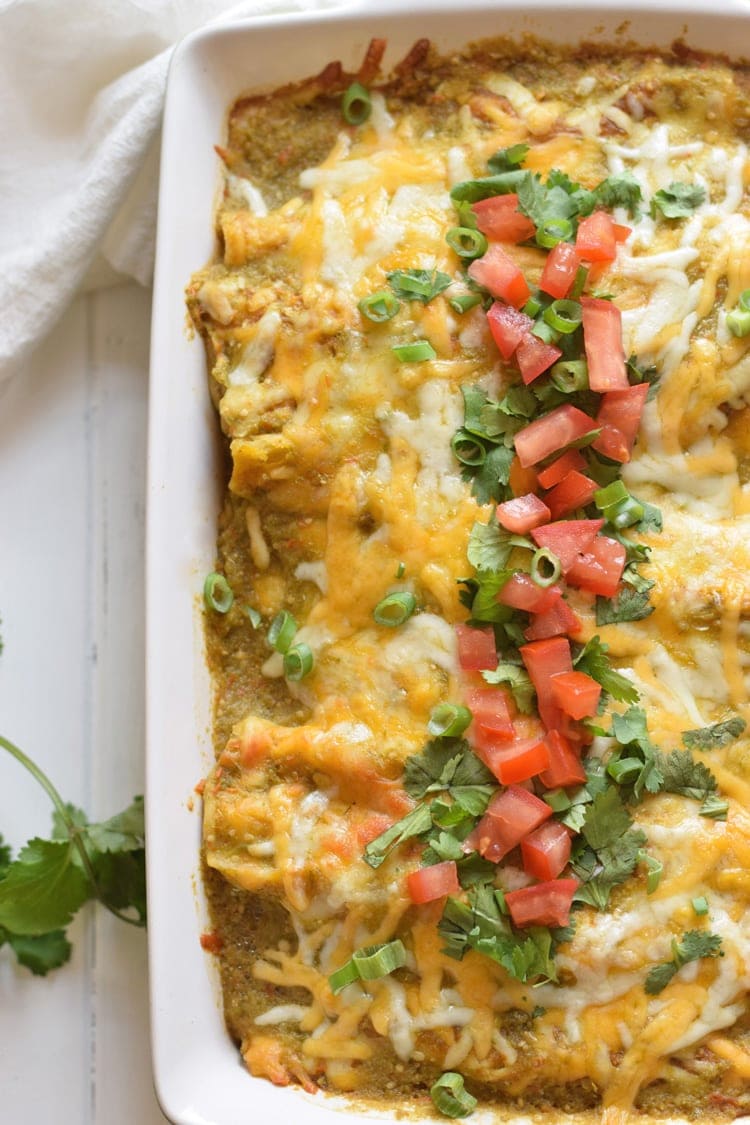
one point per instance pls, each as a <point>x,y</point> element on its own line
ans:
<point>563,315</point>
<point>532,307</point>
<point>570,375</point>
<point>700,905</point>
<point>579,282</point>
<point>738,322</point>
<point>375,961</point>
<point>217,593</point>
<point>467,243</point>
<point>467,449</point>
<point>298,662</point>
<point>356,104</point>
<point>395,608</point>
<point>612,494</point>
<point>253,616</point>
<point>414,353</point>
<point>545,557</point>
<point>553,231</point>
<point>344,976</point>
<point>282,630</point>
<point>448,720</point>
<point>450,1096</point>
<point>380,306</point>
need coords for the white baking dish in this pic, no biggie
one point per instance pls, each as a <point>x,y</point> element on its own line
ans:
<point>199,1076</point>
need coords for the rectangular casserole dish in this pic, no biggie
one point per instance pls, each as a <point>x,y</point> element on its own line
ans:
<point>198,1075</point>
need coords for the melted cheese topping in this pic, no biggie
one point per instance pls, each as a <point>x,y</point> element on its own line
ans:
<point>348,435</point>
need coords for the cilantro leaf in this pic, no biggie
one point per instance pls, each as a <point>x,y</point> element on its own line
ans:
<point>490,546</point>
<point>592,659</point>
<point>715,736</point>
<point>502,183</point>
<point>416,823</point>
<point>629,605</point>
<point>619,191</point>
<point>613,851</point>
<point>651,520</point>
<point>40,952</point>
<point>635,764</point>
<point>60,824</point>
<point>714,807</point>
<point>517,678</point>
<point>418,285</point>
<point>5,857</point>
<point>124,832</point>
<point>443,763</point>
<point>677,201</point>
<point>683,775</point>
<point>42,889</point>
<point>506,159</point>
<point>489,481</point>
<point>695,945</point>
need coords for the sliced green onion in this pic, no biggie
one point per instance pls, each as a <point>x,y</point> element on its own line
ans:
<point>344,976</point>
<point>654,871</point>
<point>626,513</point>
<point>579,282</point>
<point>414,353</point>
<point>744,301</point>
<point>400,570</point>
<point>467,243</point>
<point>700,905</point>
<point>467,449</point>
<point>545,567</point>
<point>532,307</point>
<point>614,493</point>
<point>625,770</point>
<point>217,593</point>
<point>298,662</point>
<point>356,104</point>
<point>253,616</point>
<point>570,375</point>
<point>281,633</point>
<point>375,961</point>
<point>380,306</point>
<point>553,231</point>
<point>395,608</point>
<point>557,799</point>
<point>563,315</point>
<point>448,720</point>
<point>738,322</point>
<point>450,1096</point>
<point>545,332</point>
<point>464,302</point>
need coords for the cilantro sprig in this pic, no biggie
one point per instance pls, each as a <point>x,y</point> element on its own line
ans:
<point>50,879</point>
<point>695,945</point>
<point>715,736</point>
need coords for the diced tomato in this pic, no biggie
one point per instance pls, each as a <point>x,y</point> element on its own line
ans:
<point>546,851</point>
<point>574,491</point>
<point>567,538</point>
<point>521,592</point>
<point>517,761</point>
<point>572,461</point>
<point>522,480</point>
<point>510,816</point>
<point>595,241</point>
<point>433,882</point>
<point>612,443</point>
<point>498,217</point>
<point>577,694</point>
<point>476,648</point>
<point>543,904</point>
<point>623,410</point>
<point>562,426</point>
<point>558,619</point>
<point>543,660</point>
<point>565,767</point>
<point>508,327</point>
<point>560,270</point>
<point>600,568</point>
<point>497,271</point>
<point>522,513</point>
<point>602,341</point>
<point>621,232</point>
<point>534,357</point>
<point>493,713</point>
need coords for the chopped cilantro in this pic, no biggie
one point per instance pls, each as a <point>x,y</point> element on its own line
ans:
<point>629,605</point>
<point>416,823</point>
<point>714,736</point>
<point>677,201</point>
<point>714,807</point>
<point>682,774</point>
<point>619,191</point>
<point>418,285</point>
<point>443,764</point>
<point>609,851</point>
<point>517,679</point>
<point>695,945</point>
<point>506,159</point>
<point>592,659</point>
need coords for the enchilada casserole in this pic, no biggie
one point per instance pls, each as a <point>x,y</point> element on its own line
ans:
<point>478,830</point>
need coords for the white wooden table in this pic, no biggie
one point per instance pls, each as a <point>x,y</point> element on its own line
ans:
<point>74,1046</point>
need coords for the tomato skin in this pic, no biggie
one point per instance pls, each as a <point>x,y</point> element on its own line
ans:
<point>623,410</point>
<point>497,271</point>
<point>565,766</point>
<point>557,620</point>
<point>595,241</point>
<point>560,270</point>
<point>546,851</point>
<point>433,882</point>
<point>602,341</point>
<point>600,568</point>
<point>510,816</point>
<point>543,904</point>
<point>476,648</point>
<point>498,217</point>
<point>572,461</point>
<point>522,513</point>
<point>508,327</point>
<point>544,659</point>
<point>574,491</point>
<point>552,432</point>
<point>567,539</point>
<point>577,694</point>
<point>534,357</point>
<point>517,761</point>
<point>521,592</point>
<point>493,713</point>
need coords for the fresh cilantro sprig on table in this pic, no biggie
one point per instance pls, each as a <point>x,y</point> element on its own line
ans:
<point>49,880</point>
<point>695,945</point>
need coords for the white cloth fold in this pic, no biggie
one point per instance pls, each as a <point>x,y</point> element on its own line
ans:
<point>81,94</point>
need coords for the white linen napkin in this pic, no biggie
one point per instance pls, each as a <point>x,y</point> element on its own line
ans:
<point>81,92</point>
